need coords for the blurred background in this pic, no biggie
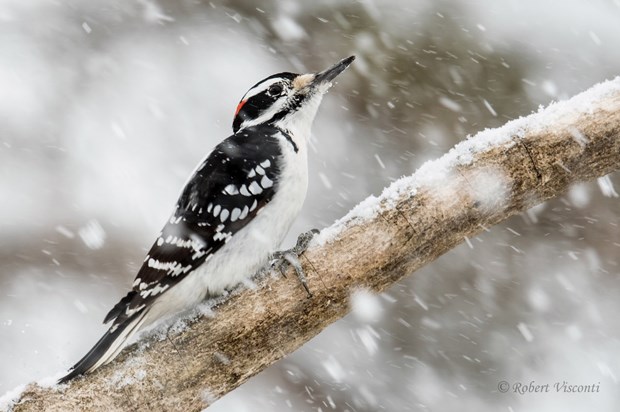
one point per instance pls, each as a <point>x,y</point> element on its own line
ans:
<point>107,106</point>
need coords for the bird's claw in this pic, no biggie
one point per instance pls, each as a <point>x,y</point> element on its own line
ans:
<point>284,258</point>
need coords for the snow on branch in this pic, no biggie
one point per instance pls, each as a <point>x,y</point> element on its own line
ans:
<point>480,182</point>
<point>433,173</point>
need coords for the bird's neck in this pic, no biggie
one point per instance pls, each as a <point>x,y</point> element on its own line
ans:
<point>299,123</point>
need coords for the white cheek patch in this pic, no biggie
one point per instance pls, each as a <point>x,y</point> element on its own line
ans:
<point>272,111</point>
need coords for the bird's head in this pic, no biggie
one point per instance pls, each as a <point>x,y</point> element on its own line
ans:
<point>286,100</point>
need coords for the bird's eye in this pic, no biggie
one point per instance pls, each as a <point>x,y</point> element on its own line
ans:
<point>275,90</point>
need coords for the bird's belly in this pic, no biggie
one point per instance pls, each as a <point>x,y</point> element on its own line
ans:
<point>248,250</point>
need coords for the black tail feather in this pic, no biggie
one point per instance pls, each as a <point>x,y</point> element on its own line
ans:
<point>101,347</point>
<point>120,307</point>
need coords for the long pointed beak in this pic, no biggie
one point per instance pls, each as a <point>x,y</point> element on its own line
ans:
<point>329,74</point>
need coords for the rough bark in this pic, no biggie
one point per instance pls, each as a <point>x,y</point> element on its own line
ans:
<point>524,163</point>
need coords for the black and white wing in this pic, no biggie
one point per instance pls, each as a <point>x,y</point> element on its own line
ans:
<point>223,195</point>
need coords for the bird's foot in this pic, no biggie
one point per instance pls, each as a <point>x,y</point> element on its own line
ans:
<point>282,259</point>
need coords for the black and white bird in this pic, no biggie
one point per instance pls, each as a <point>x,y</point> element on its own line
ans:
<point>233,213</point>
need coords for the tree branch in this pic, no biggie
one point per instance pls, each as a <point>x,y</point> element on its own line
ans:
<point>479,183</point>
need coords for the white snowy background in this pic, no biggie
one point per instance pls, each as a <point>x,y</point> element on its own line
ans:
<point>107,106</point>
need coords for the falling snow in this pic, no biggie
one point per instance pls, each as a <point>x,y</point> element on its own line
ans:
<point>107,108</point>
<point>86,28</point>
<point>606,186</point>
<point>366,306</point>
<point>525,331</point>
<point>92,234</point>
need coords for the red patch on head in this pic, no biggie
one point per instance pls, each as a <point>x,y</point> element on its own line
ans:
<point>239,106</point>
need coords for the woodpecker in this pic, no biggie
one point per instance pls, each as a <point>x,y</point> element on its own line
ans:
<point>232,214</point>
